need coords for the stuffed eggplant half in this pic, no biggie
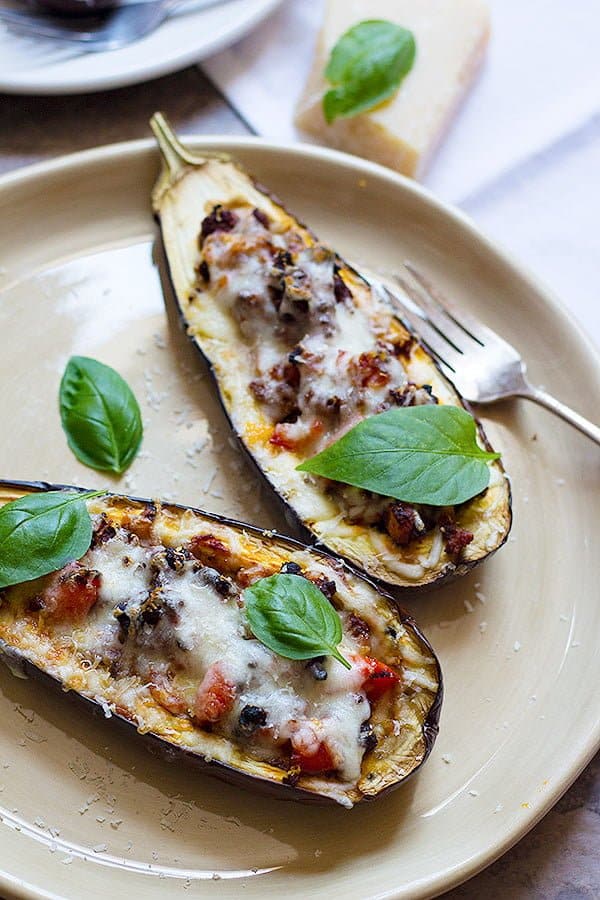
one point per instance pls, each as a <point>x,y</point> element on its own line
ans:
<point>302,349</point>
<point>151,624</point>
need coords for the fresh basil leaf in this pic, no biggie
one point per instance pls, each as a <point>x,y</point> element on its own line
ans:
<point>292,617</point>
<point>40,533</point>
<point>421,454</point>
<point>100,415</point>
<point>366,67</point>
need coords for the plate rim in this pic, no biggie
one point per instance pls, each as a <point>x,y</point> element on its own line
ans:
<point>145,71</point>
<point>583,752</point>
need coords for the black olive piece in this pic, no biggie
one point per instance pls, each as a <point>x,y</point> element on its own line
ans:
<point>283,259</point>
<point>124,621</point>
<point>299,305</point>
<point>121,615</point>
<point>391,632</point>
<point>367,737</point>
<point>223,587</point>
<point>151,616</point>
<point>291,568</point>
<point>204,272</point>
<point>292,416</point>
<point>327,586</point>
<point>171,558</point>
<point>213,578</point>
<point>293,356</point>
<point>152,610</point>
<point>340,288</point>
<point>176,559</point>
<point>317,669</point>
<point>251,718</point>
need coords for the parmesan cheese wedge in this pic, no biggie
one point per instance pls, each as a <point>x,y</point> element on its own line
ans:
<point>402,133</point>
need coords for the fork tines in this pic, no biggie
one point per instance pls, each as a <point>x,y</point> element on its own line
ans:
<point>433,317</point>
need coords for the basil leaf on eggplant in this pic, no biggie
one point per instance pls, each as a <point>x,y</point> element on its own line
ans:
<point>301,348</point>
<point>39,533</point>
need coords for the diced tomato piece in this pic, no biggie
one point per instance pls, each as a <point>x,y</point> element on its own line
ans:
<point>320,761</point>
<point>379,678</point>
<point>142,525</point>
<point>368,370</point>
<point>286,435</point>
<point>207,546</point>
<point>72,592</point>
<point>211,551</point>
<point>279,438</point>
<point>247,576</point>
<point>215,697</point>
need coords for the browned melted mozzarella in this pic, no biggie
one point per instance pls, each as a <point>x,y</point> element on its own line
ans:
<point>321,363</point>
<point>179,627</point>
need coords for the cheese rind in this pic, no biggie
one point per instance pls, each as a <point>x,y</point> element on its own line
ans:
<point>451,37</point>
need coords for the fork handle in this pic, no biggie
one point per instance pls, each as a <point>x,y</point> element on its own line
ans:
<point>565,412</point>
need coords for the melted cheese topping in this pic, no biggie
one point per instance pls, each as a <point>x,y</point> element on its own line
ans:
<point>323,359</point>
<point>230,298</point>
<point>320,363</point>
<point>197,630</point>
<point>136,633</point>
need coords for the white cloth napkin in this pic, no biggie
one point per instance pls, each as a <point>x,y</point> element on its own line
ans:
<point>523,155</point>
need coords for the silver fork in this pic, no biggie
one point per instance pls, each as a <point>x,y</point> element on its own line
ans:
<point>97,33</point>
<point>483,366</point>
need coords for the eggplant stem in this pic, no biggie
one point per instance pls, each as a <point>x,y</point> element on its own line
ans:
<point>176,159</point>
<point>175,156</point>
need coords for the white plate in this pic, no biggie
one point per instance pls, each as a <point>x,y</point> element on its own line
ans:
<point>38,66</point>
<point>521,709</point>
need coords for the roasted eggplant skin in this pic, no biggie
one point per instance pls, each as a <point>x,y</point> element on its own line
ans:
<point>384,777</point>
<point>405,569</point>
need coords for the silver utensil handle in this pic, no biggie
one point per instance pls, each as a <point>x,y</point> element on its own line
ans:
<point>565,412</point>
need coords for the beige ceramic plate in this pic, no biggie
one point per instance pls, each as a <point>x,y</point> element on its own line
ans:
<point>89,814</point>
